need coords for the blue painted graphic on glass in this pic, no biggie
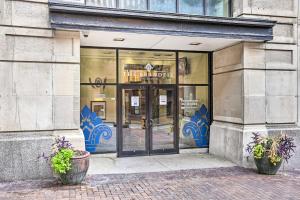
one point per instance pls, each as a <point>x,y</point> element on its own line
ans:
<point>93,129</point>
<point>198,127</point>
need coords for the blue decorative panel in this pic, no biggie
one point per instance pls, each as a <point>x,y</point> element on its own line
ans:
<point>93,129</point>
<point>198,127</point>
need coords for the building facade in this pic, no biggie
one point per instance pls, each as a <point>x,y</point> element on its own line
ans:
<point>144,77</point>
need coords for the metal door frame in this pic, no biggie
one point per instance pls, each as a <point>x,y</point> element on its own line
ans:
<point>120,152</point>
<point>148,130</point>
<point>175,121</point>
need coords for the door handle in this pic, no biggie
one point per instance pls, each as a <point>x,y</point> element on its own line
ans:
<point>144,124</point>
<point>151,122</point>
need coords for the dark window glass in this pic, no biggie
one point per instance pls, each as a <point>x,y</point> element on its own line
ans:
<point>102,3</point>
<point>218,8</point>
<point>191,7</point>
<point>133,4</point>
<point>163,5</point>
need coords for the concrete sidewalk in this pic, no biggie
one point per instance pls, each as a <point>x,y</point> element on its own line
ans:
<point>187,159</point>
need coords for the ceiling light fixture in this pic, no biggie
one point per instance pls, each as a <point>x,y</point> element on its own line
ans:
<point>85,33</point>
<point>119,39</point>
<point>195,43</point>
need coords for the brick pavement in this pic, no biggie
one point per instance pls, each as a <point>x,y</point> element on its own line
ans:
<point>221,183</point>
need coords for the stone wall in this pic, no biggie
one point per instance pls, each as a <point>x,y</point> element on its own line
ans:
<point>255,85</point>
<point>256,88</point>
<point>39,88</point>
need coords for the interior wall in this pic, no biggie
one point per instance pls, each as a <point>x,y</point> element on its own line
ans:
<point>93,70</point>
<point>89,94</point>
<point>199,72</point>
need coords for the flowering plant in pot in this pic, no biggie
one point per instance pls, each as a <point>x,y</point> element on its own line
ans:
<point>269,152</point>
<point>69,164</point>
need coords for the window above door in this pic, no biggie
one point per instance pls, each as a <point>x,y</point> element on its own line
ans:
<point>147,67</point>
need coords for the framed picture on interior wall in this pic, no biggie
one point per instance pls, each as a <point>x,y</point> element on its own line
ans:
<point>183,66</point>
<point>99,107</point>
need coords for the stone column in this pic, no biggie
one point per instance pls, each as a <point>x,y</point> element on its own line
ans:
<point>39,88</point>
<point>255,84</point>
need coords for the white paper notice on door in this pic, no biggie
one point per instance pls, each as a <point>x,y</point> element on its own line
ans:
<point>163,100</point>
<point>135,101</point>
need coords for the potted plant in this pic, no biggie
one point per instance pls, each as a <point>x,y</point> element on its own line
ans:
<point>269,152</point>
<point>69,164</point>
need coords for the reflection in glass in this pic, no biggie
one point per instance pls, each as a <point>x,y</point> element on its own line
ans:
<point>163,5</point>
<point>97,65</point>
<point>101,3</point>
<point>194,116</point>
<point>102,101</point>
<point>191,7</point>
<point>133,120</point>
<point>163,102</point>
<point>218,8</point>
<point>213,7</point>
<point>148,67</point>
<point>193,68</point>
<point>133,4</point>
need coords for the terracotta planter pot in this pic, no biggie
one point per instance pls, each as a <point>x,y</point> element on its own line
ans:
<point>264,166</point>
<point>80,166</point>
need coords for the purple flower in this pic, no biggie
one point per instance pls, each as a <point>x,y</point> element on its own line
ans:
<point>286,147</point>
<point>282,146</point>
<point>59,144</point>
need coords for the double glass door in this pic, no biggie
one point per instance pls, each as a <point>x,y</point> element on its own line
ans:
<point>147,117</point>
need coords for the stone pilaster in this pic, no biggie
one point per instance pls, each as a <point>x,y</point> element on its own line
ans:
<point>39,88</point>
<point>255,89</point>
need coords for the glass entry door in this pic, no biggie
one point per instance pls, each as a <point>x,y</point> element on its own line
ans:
<point>133,133</point>
<point>147,120</point>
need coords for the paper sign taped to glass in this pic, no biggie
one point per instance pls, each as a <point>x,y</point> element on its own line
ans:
<point>135,101</point>
<point>163,100</point>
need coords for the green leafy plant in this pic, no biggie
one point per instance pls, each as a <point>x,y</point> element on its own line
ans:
<point>275,148</point>
<point>258,151</point>
<point>61,162</point>
<point>60,158</point>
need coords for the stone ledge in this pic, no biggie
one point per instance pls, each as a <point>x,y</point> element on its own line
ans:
<point>20,152</point>
<point>229,141</point>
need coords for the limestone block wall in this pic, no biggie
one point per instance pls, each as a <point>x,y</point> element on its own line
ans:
<point>239,106</point>
<point>298,57</point>
<point>39,87</point>
<point>256,88</point>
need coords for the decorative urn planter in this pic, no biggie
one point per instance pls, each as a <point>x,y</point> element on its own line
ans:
<point>270,151</point>
<point>264,166</point>
<point>77,173</point>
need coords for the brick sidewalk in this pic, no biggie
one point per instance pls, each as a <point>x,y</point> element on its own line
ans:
<point>222,183</point>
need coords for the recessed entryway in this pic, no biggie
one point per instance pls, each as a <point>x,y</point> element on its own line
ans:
<point>144,102</point>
